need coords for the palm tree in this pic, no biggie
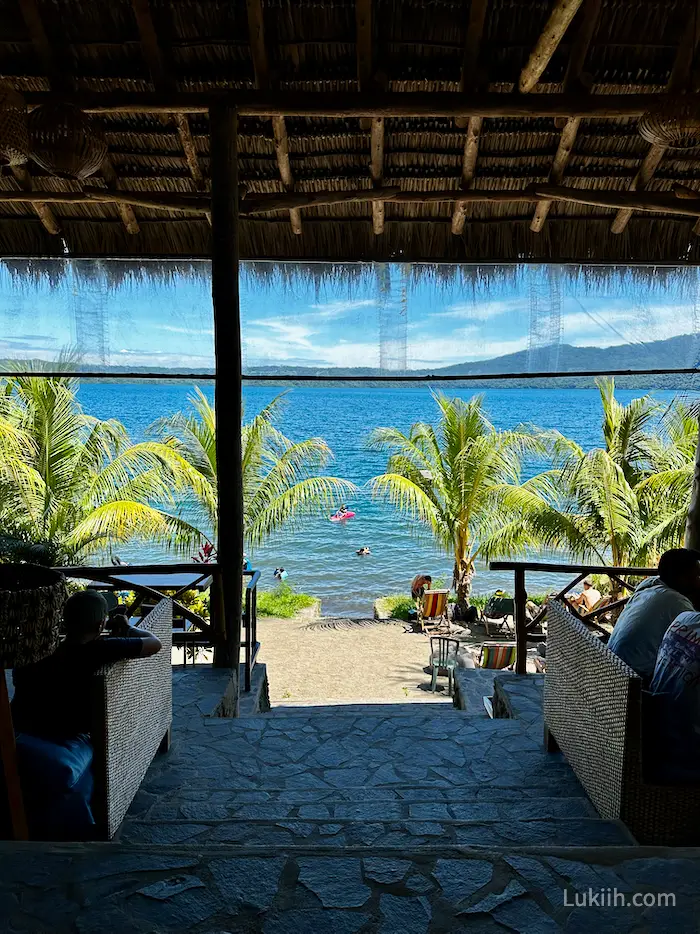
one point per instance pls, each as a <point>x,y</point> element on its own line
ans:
<point>281,479</point>
<point>72,485</point>
<point>622,503</point>
<point>453,478</point>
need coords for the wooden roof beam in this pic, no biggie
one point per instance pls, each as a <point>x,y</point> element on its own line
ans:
<point>40,208</point>
<point>162,80</point>
<point>261,68</point>
<point>562,13</point>
<point>682,69</point>
<point>346,104</point>
<point>468,82</point>
<point>570,130</point>
<point>44,52</point>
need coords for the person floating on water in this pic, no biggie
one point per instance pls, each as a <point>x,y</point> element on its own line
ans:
<point>279,574</point>
<point>363,551</point>
<point>343,511</point>
<point>341,514</point>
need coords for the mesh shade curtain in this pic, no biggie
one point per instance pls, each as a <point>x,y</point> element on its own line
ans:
<point>354,319</point>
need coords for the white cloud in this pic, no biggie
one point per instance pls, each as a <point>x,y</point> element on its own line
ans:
<point>191,331</point>
<point>295,335</point>
<point>339,308</point>
<point>482,311</point>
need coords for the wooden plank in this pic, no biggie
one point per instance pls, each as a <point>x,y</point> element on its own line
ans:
<point>644,201</point>
<point>228,400</point>
<point>571,568</point>
<point>572,80</point>
<point>680,74</point>
<point>448,104</point>
<point>559,19</point>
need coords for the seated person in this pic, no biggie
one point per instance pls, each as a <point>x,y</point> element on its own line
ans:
<point>419,584</point>
<point>52,703</point>
<point>653,606</point>
<point>676,711</point>
<point>588,598</point>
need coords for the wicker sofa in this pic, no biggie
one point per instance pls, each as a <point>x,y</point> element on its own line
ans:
<point>593,706</point>
<point>133,714</point>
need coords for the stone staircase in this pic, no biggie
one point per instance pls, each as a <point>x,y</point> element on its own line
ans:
<point>401,819</point>
<point>394,777</point>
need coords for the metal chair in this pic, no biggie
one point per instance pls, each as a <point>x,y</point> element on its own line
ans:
<point>443,654</point>
<point>432,609</point>
<point>497,655</point>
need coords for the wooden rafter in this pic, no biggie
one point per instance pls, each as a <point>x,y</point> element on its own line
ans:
<point>261,68</point>
<point>40,208</point>
<point>682,68</point>
<point>472,46</point>
<point>348,104</point>
<point>365,77</point>
<point>58,80</point>
<point>562,13</point>
<point>377,171</point>
<point>163,81</point>
<point>577,61</point>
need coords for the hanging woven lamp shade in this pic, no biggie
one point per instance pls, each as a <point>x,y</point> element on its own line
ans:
<point>65,142</point>
<point>14,136</point>
<point>674,123</point>
<point>31,608</point>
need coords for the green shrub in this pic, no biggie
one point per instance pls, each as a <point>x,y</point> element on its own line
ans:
<point>399,606</point>
<point>283,601</point>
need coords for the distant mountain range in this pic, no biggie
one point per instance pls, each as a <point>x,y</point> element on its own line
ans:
<point>673,353</point>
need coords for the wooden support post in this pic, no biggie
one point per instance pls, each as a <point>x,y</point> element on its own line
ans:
<point>227,339</point>
<point>377,171</point>
<point>471,152</point>
<point>8,762</point>
<point>692,525</point>
<point>520,622</point>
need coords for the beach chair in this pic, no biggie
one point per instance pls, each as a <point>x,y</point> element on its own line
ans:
<point>443,654</point>
<point>432,610</point>
<point>497,655</point>
<point>499,613</point>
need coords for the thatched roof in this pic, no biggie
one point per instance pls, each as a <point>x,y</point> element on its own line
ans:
<point>415,46</point>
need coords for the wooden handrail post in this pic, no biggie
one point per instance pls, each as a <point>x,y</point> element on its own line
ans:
<point>223,128</point>
<point>520,621</point>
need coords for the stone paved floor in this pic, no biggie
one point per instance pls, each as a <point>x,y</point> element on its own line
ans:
<point>411,820</point>
<point>113,889</point>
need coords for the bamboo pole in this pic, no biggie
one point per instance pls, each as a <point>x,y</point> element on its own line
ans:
<point>449,104</point>
<point>228,400</point>
<point>552,34</point>
<point>644,201</point>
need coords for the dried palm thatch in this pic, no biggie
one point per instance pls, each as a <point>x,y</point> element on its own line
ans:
<point>410,46</point>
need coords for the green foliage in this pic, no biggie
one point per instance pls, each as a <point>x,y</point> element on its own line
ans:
<point>622,504</point>
<point>283,601</point>
<point>399,606</point>
<point>453,480</point>
<point>282,482</point>
<point>72,485</point>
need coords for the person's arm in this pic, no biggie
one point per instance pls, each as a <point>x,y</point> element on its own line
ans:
<point>120,627</point>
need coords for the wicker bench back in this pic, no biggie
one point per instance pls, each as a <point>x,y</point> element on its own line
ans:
<point>133,713</point>
<point>589,701</point>
<point>593,708</point>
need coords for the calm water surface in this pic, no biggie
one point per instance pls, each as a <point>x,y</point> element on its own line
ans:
<point>320,555</point>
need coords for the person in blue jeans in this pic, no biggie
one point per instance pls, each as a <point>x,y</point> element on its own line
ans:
<point>675,687</point>
<point>52,713</point>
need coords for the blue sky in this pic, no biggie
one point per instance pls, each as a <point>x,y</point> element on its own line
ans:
<point>293,325</point>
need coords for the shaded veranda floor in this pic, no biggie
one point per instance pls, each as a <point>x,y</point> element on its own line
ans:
<point>397,819</point>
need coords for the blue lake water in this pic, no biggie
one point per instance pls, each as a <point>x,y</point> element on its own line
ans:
<point>320,555</point>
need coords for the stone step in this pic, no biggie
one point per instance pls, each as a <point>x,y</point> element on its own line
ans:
<point>383,833</point>
<point>420,708</point>
<point>227,806</point>
<point>91,888</point>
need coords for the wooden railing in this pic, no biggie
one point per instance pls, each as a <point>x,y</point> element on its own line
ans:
<point>250,627</point>
<point>524,627</point>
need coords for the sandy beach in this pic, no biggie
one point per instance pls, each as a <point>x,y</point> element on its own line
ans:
<point>309,662</point>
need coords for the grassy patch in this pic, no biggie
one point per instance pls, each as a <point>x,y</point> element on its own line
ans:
<point>283,601</point>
